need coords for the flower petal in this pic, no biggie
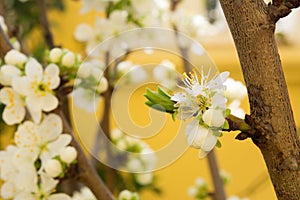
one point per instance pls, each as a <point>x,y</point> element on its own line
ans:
<point>34,70</point>
<point>51,76</point>
<point>48,102</point>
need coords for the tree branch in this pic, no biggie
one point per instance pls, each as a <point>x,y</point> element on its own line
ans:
<point>45,23</point>
<point>5,44</point>
<point>219,192</point>
<point>85,171</point>
<point>281,8</point>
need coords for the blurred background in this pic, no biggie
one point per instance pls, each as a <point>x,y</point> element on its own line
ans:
<point>241,159</point>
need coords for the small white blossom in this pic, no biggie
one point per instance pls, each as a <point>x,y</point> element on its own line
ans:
<point>127,195</point>
<point>213,117</point>
<point>37,86</point>
<point>103,85</point>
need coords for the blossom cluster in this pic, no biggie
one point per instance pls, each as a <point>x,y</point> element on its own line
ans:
<point>31,168</point>
<point>128,195</point>
<point>136,164</point>
<point>200,190</point>
<point>123,15</point>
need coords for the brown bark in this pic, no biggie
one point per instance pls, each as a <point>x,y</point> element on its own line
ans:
<point>252,25</point>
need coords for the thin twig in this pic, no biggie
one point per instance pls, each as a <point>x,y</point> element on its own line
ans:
<point>219,192</point>
<point>45,23</point>
<point>281,8</point>
<point>5,44</point>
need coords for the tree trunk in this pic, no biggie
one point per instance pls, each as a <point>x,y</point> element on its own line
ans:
<point>252,28</point>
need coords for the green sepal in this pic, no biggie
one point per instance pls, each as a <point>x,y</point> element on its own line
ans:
<point>218,144</point>
<point>227,112</point>
<point>226,125</point>
<point>160,100</point>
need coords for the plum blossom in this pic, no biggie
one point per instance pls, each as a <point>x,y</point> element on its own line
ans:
<point>84,194</point>
<point>45,139</point>
<point>128,195</point>
<point>37,87</point>
<point>203,101</point>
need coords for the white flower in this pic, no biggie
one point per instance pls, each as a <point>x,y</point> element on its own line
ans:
<point>14,57</point>
<point>53,168</point>
<point>83,32</point>
<point>44,139</point>
<point>235,89</point>
<point>68,155</point>
<point>37,86</point>
<point>68,59</point>
<point>200,137</point>
<point>144,179</point>
<point>14,111</point>
<point>55,55</point>
<point>84,194</point>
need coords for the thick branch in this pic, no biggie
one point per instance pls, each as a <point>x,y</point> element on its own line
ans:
<point>5,44</point>
<point>45,23</point>
<point>85,170</point>
<point>281,8</point>
<point>271,112</point>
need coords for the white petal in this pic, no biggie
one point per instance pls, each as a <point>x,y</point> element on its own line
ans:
<point>14,114</point>
<point>34,70</point>
<point>22,85</point>
<point>33,104</point>
<point>83,33</point>
<point>54,148</point>
<point>51,76</point>
<point>48,102</point>
<point>197,138</point>
<point>5,95</point>
<point>51,127</point>
<point>68,154</point>
<point>7,73</point>
<point>8,190</point>
<point>219,101</point>
<point>210,142</point>
<point>25,135</point>
<point>214,117</point>
<point>47,183</point>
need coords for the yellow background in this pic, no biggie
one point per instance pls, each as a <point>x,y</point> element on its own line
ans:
<point>241,158</point>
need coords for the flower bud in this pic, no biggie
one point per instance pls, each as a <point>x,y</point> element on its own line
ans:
<point>125,195</point>
<point>144,179</point>
<point>14,57</point>
<point>68,155</point>
<point>85,70</point>
<point>55,55</point>
<point>68,59</point>
<point>53,168</point>
<point>103,85</point>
